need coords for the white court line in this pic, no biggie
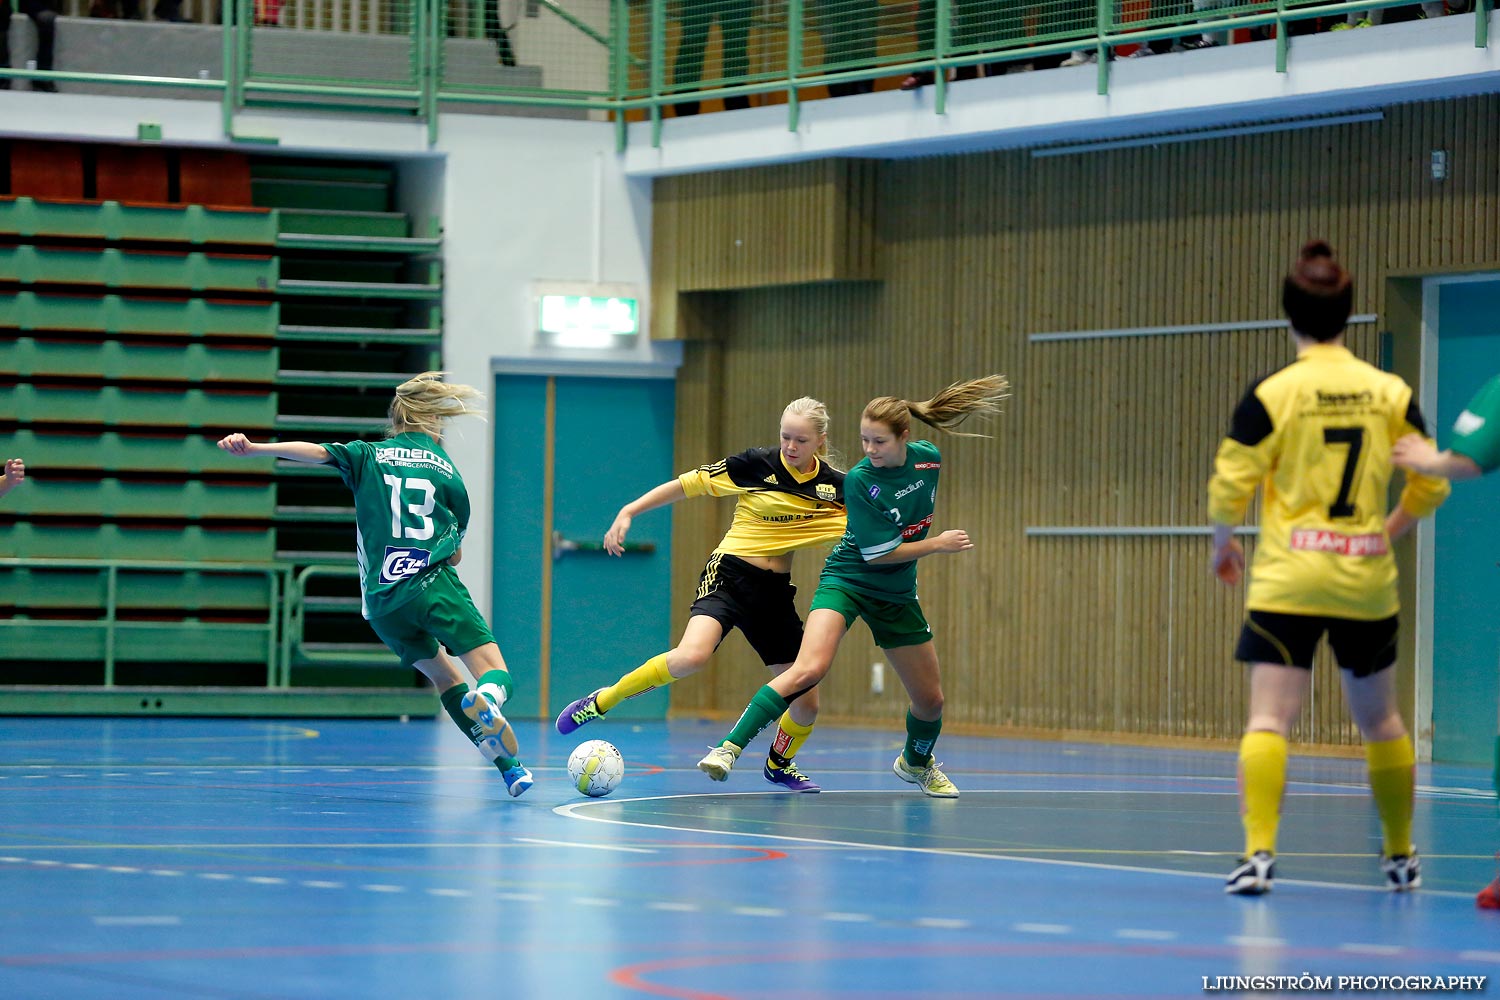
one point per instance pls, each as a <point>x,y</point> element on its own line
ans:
<point>383,888</point>
<point>674,907</point>
<point>848,918</point>
<point>1142,934</point>
<point>319,884</point>
<point>757,911</point>
<point>591,847</point>
<point>573,810</point>
<point>1480,956</point>
<point>519,897</point>
<point>944,922</point>
<point>594,901</point>
<point>1248,941</point>
<point>215,876</point>
<point>265,880</point>
<point>1356,948</point>
<point>164,921</point>
<point>166,872</point>
<point>448,892</point>
<point>1042,928</point>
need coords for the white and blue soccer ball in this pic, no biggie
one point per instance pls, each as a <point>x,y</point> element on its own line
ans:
<point>596,767</point>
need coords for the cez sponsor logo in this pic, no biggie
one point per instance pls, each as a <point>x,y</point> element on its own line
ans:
<point>400,563</point>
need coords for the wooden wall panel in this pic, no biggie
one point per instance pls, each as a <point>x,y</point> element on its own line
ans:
<point>1103,634</point>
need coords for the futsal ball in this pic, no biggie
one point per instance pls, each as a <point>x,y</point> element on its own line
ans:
<point>596,767</point>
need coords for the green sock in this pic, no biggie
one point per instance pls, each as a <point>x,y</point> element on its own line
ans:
<point>766,706</point>
<point>452,700</point>
<point>499,678</point>
<point>920,737</point>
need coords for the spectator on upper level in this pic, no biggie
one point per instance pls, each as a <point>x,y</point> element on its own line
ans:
<point>44,17</point>
<point>697,18</point>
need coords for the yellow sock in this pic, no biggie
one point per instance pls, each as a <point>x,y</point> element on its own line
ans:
<point>790,735</point>
<point>1393,782</point>
<point>651,674</point>
<point>1262,783</point>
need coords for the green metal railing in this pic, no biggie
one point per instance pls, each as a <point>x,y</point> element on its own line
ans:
<point>285,608</point>
<point>404,59</point>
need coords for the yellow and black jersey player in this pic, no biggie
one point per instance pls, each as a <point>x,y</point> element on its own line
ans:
<point>1317,437</point>
<point>787,498</point>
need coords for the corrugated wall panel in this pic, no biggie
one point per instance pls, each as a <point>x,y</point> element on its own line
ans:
<point>1127,635</point>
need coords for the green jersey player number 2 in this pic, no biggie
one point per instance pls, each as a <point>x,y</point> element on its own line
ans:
<point>410,511</point>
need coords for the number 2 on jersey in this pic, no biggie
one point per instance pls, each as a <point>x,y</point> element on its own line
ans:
<point>421,510</point>
<point>1354,437</point>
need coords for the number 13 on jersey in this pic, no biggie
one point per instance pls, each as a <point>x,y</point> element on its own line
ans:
<point>421,510</point>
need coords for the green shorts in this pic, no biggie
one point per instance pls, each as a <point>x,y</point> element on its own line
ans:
<point>442,613</point>
<point>891,624</point>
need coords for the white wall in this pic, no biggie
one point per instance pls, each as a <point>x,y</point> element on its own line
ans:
<point>523,200</point>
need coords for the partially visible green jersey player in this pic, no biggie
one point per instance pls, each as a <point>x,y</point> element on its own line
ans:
<point>411,511</point>
<point>1473,451</point>
<point>890,496</point>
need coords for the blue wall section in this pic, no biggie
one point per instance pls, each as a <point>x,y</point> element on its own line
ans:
<point>614,442</point>
<point>518,411</point>
<point>1466,627</point>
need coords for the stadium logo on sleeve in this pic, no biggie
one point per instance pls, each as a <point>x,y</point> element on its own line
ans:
<point>400,563</point>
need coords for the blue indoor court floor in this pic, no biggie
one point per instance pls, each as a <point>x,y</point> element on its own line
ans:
<point>251,859</point>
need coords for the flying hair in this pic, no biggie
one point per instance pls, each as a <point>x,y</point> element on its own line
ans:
<point>423,404</point>
<point>946,410</point>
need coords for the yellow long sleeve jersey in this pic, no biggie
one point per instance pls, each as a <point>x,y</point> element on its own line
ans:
<point>1317,436</point>
<point>777,509</point>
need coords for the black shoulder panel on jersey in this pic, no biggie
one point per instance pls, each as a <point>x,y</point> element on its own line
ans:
<point>1414,417</point>
<point>751,467</point>
<point>1251,424</point>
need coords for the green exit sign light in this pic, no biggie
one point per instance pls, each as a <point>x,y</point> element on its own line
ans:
<point>589,316</point>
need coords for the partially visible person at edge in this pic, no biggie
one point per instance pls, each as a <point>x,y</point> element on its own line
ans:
<point>1473,451</point>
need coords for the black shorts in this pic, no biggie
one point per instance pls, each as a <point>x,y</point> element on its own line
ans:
<point>1361,647</point>
<point>756,601</point>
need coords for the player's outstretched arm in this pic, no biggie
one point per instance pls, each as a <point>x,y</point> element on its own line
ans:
<point>15,475</point>
<point>667,493</point>
<point>953,540</point>
<point>1415,453</point>
<point>296,451</point>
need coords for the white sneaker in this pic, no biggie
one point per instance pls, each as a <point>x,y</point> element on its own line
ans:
<point>1080,58</point>
<point>720,761</point>
<point>1141,52</point>
<point>930,779</point>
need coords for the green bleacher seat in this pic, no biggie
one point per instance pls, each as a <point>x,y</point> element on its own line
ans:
<point>29,357</point>
<point>115,406</point>
<point>189,543</point>
<point>41,589</point>
<point>113,268</point>
<point>115,498</point>
<point>113,222</point>
<point>113,451</point>
<point>112,313</point>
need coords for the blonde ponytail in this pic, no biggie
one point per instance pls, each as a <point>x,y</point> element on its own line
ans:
<point>423,403</point>
<point>946,410</point>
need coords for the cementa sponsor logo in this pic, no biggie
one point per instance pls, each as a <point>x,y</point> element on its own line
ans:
<point>400,563</point>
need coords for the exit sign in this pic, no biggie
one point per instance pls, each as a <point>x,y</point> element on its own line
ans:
<point>569,316</point>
